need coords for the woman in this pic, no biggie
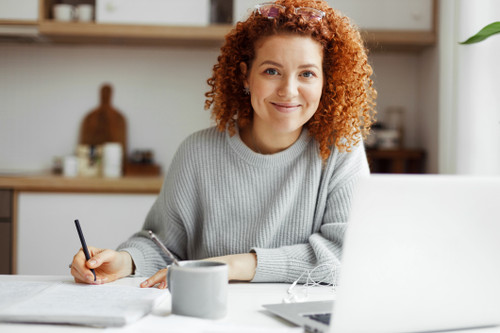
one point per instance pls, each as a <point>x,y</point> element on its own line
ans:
<point>268,189</point>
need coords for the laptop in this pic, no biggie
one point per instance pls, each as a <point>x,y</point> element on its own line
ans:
<point>421,254</point>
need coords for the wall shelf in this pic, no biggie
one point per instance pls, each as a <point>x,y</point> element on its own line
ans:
<point>46,30</point>
<point>204,36</point>
<point>201,36</point>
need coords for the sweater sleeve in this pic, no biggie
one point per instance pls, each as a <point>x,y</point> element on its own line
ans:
<point>321,255</point>
<point>163,219</point>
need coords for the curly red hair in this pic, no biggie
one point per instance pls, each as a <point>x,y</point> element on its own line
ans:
<point>346,109</point>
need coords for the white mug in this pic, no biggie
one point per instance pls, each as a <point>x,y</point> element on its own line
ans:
<point>84,13</point>
<point>70,166</point>
<point>112,160</point>
<point>63,12</point>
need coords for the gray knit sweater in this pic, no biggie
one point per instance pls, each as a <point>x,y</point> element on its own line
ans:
<point>219,198</point>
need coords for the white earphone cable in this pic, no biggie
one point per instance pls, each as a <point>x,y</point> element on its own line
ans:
<point>311,283</point>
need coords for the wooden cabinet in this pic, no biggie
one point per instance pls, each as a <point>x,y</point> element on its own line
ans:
<point>377,38</point>
<point>6,212</point>
<point>396,161</point>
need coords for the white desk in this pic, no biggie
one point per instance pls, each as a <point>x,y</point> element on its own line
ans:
<point>245,312</point>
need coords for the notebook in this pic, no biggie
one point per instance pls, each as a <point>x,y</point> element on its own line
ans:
<point>105,305</point>
<point>421,254</point>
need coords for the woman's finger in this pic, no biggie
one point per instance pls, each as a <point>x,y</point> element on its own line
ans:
<point>76,266</point>
<point>83,277</point>
<point>77,280</point>
<point>100,257</point>
<point>158,277</point>
<point>78,275</point>
<point>79,268</point>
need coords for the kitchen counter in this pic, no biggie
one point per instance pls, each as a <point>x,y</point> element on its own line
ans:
<point>52,183</point>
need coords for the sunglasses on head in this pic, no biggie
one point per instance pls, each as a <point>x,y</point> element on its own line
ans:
<point>272,10</point>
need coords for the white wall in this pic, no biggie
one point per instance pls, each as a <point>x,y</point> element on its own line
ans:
<point>470,99</point>
<point>46,90</point>
<point>478,98</point>
<point>428,101</point>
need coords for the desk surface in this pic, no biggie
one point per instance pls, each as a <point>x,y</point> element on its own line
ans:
<point>245,312</point>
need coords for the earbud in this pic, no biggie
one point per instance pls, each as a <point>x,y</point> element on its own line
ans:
<point>292,286</point>
<point>292,298</point>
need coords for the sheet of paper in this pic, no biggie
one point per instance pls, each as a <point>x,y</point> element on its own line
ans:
<point>18,291</point>
<point>67,302</point>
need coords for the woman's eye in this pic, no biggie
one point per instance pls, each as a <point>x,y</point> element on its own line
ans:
<point>308,74</point>
<point>271,71</point>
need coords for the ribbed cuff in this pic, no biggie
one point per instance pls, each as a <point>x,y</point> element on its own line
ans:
<point>271,265</point>
<point>137,258</point>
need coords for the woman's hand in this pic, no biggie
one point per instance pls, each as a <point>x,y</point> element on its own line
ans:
<point>109,265</point>
<point>159,277</point>
<point>241,267</point>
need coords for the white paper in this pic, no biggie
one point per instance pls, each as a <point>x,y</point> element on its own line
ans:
<point>71,303</point>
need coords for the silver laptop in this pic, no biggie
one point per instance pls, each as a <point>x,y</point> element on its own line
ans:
<point>421,254</point>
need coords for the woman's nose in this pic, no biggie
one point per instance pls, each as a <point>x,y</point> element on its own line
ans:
<point>288,87</point>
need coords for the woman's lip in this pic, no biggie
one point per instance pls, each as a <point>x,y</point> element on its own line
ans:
<point>286,107</point>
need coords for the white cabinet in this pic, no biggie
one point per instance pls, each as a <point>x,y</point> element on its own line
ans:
<point>416,15</point>
<point>186,12</point>
<point>46,233</point>
<point>22,10</point>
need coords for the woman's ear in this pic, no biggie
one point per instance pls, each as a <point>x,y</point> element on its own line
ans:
<point>244,71</point>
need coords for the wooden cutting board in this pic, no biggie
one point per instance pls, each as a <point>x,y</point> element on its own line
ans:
<point>104,124</point>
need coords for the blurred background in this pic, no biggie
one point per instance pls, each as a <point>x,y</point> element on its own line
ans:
<point>439,95</point>
<point>141,68</point>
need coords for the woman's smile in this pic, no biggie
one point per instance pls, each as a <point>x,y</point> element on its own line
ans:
<point>286,107</point>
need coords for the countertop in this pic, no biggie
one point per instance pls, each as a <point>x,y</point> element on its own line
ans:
<point>53,183</point>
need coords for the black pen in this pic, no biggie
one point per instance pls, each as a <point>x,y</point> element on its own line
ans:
<point>84,244</point>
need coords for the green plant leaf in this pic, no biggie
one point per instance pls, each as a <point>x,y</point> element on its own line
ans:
<point>484,33</point>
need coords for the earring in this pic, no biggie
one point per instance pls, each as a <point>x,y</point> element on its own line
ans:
<point>246,91</point>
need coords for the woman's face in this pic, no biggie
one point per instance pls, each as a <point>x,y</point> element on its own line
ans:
<point>285,82</point>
